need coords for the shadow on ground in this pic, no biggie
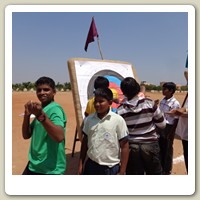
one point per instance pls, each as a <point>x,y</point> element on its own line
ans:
<point>72,163</point>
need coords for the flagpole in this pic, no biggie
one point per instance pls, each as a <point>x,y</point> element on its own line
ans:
<point>99,48</point>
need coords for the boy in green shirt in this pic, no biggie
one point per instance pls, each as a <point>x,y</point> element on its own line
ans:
<point>47,132</point>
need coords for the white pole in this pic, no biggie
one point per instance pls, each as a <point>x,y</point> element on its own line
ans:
<point>99,48</point>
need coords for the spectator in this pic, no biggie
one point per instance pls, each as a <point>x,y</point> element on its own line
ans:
<point>100,82</point>
<point>141,117</point>
<point>166,139</point>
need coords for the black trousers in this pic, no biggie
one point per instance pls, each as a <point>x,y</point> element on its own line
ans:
<point>166,149</point>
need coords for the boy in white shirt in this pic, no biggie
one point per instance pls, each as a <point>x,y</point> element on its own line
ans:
<point>105,139</point>
<point>166,139</point>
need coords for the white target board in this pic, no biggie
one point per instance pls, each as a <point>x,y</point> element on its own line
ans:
<point>84,71</point>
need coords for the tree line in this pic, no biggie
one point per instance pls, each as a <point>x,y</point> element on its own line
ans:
<point>29,86</point>
<point>159,88</point>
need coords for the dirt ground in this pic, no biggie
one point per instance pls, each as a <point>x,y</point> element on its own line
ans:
<point>20,146</point>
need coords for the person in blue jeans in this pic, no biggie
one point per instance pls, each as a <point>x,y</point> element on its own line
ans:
<point>142,117</point>
<point>105,139</point>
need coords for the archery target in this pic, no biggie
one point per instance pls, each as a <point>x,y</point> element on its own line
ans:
<point>84,71</point>
<point>113,77</point>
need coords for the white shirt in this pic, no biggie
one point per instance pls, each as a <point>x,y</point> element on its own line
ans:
<point>168,104</point>
<point>103,137</point>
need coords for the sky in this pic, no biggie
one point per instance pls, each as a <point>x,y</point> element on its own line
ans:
<point>156,43</point>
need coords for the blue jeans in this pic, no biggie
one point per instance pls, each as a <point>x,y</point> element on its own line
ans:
<point>144,158</point>
<point>93,168</point>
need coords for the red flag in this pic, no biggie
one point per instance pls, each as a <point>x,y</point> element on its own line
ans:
<point>91,34</point>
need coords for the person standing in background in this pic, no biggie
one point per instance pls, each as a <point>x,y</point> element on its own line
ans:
<point>166,139</point>
<point>100,82</point>
<point>142,117</point>
<point>182,126</point>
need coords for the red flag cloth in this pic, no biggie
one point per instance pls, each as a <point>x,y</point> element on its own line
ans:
<point>91,34</point>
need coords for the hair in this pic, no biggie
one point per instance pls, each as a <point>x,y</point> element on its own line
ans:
<point>101,82</point>
<point>130,87</point>
<point>170,86</point>
<point>45,80</point>
<point>105,93</point>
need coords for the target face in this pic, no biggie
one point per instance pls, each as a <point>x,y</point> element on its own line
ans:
<point>83,73</point>
<point>114,81</point>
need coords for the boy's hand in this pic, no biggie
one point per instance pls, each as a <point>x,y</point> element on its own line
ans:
<point>178,112</point>
<point>80,169</point>
<point>121,173</point>
<point>156,102</point>
<point>37,108</point>
<point>28,108</point>
<point>34,108</point>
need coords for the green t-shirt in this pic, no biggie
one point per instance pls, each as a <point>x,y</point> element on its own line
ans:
<point>47,156</point>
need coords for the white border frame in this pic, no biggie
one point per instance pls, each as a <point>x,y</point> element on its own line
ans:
<point>100,185</point>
